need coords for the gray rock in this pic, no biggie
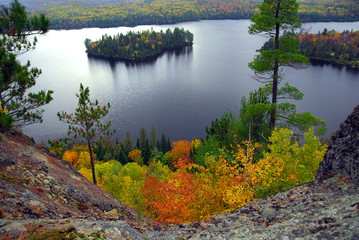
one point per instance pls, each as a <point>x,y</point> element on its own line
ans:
<point>4,161</point>
<point>342,156</point>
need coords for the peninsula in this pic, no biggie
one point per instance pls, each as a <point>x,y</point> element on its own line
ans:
<point>331,46</point>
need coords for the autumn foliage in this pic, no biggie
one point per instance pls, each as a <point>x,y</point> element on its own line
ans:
<point>331,45</point>
<point>64,14</point>
<point>180,153</point>
<point>136,156</point>
<point>189,192</point>
<point>72,157</point>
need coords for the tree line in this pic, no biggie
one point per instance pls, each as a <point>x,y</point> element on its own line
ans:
<point>138,45</point>
<point>130,13</point>
<point>328,10</point>
<point>146,12</point>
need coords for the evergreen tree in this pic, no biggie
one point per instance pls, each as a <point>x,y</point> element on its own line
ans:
<point>275,17</point>
<point>128,145</point>
<point>22,106</point>
<point>159,146</point>
<point>164,144</point>
<point>108,150</point>
<point>85,123</point>
<point>119,153</point>
<point>142,139</point>
<point>254,116</point>
<point>146,153</point>
<point>153,139</point>
<point>99,150</point>
<point>138,143</point>
<point>169,145</point>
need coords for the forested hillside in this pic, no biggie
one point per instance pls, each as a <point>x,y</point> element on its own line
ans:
<point>108,13</point>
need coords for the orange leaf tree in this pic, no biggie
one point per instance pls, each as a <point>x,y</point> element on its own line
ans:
<point>72,157</point>
<point>180,153</point>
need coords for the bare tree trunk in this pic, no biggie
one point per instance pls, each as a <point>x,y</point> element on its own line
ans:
<point>92,161</point>
<point>275,73</point>
<point>249,140</point>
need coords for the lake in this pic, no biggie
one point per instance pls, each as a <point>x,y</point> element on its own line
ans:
<point>180,92</point>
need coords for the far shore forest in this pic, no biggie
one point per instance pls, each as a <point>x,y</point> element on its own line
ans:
<point>266,148</point>
<point>113,13</point>
<point>341,48</point>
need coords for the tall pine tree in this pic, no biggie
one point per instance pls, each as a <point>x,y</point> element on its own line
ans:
<point>275,19</point>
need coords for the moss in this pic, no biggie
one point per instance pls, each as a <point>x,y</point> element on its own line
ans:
<point>65,233</point>
<point>4,177</point>
<point>13,180</point>
<point>97,236</point>
<point>69,233</point>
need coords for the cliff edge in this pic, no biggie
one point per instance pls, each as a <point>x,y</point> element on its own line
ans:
<point>34,184</point>
<point>342,156</point>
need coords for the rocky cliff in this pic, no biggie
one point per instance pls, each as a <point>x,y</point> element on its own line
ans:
<point>37,185</point>
<point>342,156</point>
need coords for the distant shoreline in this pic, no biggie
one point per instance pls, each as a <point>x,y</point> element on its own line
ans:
<point>334,62</point>
<point>184,21</point>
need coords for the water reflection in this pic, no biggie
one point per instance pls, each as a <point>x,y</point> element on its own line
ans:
<point>321,63</point>
<point>95,61</point>
<point>178,52</point>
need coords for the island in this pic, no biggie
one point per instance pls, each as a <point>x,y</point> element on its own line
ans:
<point>138,46</point>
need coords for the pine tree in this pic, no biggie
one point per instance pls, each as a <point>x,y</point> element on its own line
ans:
<point>153,139</point>
<point>164,143</point>
<point>142,139</point>
<point>128,145</point>
<point>22,107</point>
<point>85,123</point>
<point>169,145</point>
<point>275,17</point>
<point>119,153</point>
<point>146,153</point>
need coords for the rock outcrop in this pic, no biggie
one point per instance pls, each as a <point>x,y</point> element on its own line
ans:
<point>342,156</point>
<point>35,184</point>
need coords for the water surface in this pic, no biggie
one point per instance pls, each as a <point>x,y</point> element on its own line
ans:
<point>181,91</point>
